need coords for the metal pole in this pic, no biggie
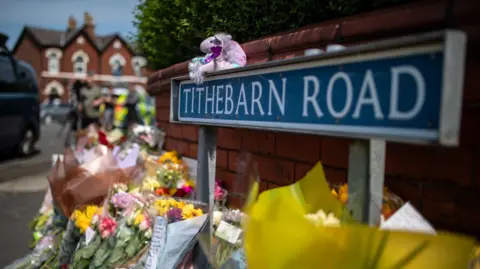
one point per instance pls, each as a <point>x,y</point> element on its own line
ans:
<point>366,166</point>
<point>377,176</point>
<point>206,158</point>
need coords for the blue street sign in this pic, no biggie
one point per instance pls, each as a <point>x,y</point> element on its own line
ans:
<point>394,94</point>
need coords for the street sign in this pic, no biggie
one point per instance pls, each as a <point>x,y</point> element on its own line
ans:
<point>408,90</point>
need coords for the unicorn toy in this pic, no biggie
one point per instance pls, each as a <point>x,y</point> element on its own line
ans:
<point>221,53</point>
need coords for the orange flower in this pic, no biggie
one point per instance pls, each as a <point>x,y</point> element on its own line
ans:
<point>162,191</point>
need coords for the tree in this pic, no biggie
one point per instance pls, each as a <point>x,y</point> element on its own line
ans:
<point>170,31</point>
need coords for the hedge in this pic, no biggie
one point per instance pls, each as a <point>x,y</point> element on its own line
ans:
<point>170,31</point>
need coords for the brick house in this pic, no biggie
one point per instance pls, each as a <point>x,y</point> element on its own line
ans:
<point>60,56</point>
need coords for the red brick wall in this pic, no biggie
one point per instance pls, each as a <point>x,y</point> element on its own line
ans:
<point>27,51</point>
<point>88,47</point>
<point>442,183</point>
<point>109,52</point>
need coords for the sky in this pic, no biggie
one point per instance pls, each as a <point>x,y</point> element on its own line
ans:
<point>109,16</point>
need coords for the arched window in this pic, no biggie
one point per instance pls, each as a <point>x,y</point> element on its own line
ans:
<point>79,65</point>
<point>117,68</point>
<point>117,62</point>
<point>138,63</point>
<point>53,60</point>
<point>80,62</point>
<point>54,90</point>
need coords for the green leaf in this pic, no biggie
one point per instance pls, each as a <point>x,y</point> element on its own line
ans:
<point>134,246</point>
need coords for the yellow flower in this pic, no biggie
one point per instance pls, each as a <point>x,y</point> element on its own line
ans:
<point>90,211</point>
<point>189,212</point>
<point>75,214</point>
<point>138,219</point>
<point>82,222</point>
<point>170,156</point>
<point>83,218</point>
<point>181,204</point>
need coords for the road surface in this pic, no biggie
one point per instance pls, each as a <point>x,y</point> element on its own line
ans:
<point>22,188</point>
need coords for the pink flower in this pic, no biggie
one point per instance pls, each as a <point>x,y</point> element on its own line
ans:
<point>145,224</point>
<point>107,226</point>
<point>219,193</point>
<point>187,189</point>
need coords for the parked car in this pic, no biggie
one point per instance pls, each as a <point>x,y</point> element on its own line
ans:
<point>54,112</point>
<point>19,103</point>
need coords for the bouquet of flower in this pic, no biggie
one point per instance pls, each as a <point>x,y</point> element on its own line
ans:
<point>391,202</point>
<point>220,194</point>
<point>170,177</point>
<point>289,216</point>
<point>44,219</point>
<point>87,222</point>
<point>124,229</point>
<point>180,221</point>
<point>78,224</point>
<point>227,235</point>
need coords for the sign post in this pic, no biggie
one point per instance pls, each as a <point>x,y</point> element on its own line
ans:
<point>406,90</point>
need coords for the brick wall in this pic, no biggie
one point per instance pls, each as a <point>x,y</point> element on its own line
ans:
<point>442,183</point>
<point>89,48</point>
<point>109,52</point>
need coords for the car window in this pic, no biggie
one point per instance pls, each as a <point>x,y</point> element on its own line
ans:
<point>7,74</point>
<point>26,78</point>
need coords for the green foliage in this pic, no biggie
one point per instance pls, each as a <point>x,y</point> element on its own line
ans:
<point>170,31</point>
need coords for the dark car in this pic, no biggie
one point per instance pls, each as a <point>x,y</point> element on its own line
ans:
<point>19,103</point>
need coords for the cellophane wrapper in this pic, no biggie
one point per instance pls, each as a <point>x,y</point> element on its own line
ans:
<point>180,240</point>
<point>277,221</point>
<point>73,187</point>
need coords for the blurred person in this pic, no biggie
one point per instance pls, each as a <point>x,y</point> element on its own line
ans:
<point>109,109</point>
<point>90,101</point>
<point>131,105</point>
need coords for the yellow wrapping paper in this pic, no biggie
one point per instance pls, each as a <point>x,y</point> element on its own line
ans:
<point>277,235</point>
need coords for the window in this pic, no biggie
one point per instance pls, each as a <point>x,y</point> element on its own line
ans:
<point>117,62</point>
<point>53,59</point>
<point>53,63</point>
<point>54,90</point>
<point>79,66</point>
<point>117,68</point>
<point>138,63</point>
<point>80,62</point>
<point>137,68</point>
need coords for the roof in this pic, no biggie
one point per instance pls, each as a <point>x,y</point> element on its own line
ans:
<point>57,38</point>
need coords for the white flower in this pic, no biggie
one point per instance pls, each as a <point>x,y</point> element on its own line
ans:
<point>95,219</point>
<point>148,233</point>
<point>322,219</point>
<point>130,218</point>
<point>180,183</point>
<point>217,217</point>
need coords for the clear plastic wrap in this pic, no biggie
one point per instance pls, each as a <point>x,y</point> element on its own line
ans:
<point>183,220</point>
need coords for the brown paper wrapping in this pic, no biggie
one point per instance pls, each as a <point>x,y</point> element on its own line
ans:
<point>75,186</point>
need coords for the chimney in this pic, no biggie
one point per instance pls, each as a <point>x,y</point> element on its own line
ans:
<point>90,27</point>
<point>72,24</point>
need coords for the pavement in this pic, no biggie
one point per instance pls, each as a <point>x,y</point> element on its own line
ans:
<point>23,183</point>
